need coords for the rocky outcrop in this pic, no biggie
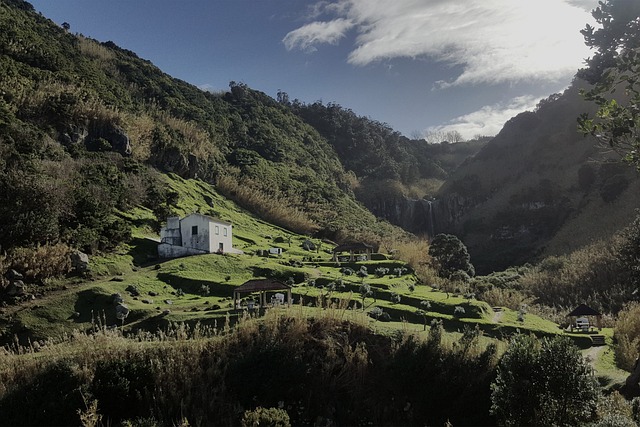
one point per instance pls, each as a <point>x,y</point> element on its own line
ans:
<point>423,216</point>
<point>97,137</point>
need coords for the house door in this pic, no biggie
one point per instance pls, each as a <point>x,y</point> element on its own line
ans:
<point>221,247</point>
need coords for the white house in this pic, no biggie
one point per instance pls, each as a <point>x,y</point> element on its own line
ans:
<point>195,234</point>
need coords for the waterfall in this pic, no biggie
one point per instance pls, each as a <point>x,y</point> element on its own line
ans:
<point>431,222</point>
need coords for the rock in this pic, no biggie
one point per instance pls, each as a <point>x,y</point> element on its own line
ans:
<point>118,279</point>
<point>153,294</point>
<point>117,299</point>
<point>166,311</point>
<point>133,290</point>
<point>79,261</point>
<point>13,275</point>
<point>122,311</point>
<point>308,245</point>
<point>147,301</point>
<point>119,140</point>
<point>15,288</point>
<point>168,301</point>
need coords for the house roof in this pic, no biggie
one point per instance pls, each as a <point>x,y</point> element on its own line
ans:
<point>352,247</point>
<point>584,310</point>
<point>210,218</point>
<point>258,285</point>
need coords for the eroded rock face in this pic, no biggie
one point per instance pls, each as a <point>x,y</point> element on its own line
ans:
<point>423,216</point>
<point>90,136</point>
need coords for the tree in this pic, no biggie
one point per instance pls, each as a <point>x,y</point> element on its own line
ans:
<point>66,26</point>
<point>615,65</point>
<point>365,291</point>
<point>450,255</point>
<point>543,382</point>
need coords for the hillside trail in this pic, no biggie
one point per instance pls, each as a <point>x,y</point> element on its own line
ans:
<point>592,354</point>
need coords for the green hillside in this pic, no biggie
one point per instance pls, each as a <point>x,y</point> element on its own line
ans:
<point>538,188</point>
<point>76,110</point>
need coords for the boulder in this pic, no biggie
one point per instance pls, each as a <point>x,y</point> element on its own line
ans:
<point>119,140</point>
<point>117,299</point>
<point>122,311</point>
<point>13,275</point>
<point>79,261</point>
<point>15,288</point>
<point>308,245</point>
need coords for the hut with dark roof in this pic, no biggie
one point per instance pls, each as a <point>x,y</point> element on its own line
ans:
<point>357,252</point>
<point>262,286</point>
<point>584,310</point>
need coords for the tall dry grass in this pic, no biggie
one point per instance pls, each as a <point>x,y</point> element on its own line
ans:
<point>212,375</point>
<point>589,275</point>
<point>627,336</point>
<point>276,210</point>
<point>415,252</point>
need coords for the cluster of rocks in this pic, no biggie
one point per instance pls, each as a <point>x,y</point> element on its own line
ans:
<point>122,311</point>
<point>16,287</point>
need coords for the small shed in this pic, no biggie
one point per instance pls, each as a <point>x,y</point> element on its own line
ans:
<point>262,286</point>
<point>357,252</point>
<point>584,310</point>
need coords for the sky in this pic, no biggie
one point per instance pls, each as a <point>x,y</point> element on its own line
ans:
<point>421,66</point>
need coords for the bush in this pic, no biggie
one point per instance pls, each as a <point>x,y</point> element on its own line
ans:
<point>544,382</point>
<point>121,388</point>
<point>51,397</point>
<point>271,417</point>
<point>42,262</point>
<point>627,336</point>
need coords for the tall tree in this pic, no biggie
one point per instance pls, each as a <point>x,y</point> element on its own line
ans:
<point>545,382</point>
<point>450,255</point>
<point>614,66</point>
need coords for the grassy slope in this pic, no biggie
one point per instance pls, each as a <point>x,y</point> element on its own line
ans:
<point>158,282</point>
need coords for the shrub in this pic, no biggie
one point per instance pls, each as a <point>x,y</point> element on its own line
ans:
<point>41,262</point>
<point>544,382</point>
<point>271,417</point>
<point>458,311</point>
<point>51,396</point>
<point>627,336</point>
<point>121,388</point>
<point>381,271</point>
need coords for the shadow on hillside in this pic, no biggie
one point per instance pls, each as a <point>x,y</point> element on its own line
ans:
<point>192,286</point>
<point>144,251</point>
<point>94,305</point>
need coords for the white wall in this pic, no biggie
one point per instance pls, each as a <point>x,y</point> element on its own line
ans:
<point>199,241</point>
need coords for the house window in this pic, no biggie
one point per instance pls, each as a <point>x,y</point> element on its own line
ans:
<point>217,230</point>
<point>224,231</point>
<point>194,230</point>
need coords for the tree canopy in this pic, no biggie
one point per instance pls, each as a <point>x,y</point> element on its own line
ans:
<point>545,382</point>
<point>450,255</point>
<point>615,66</point>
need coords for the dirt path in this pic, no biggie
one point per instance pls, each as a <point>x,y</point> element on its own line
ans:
<point>592,354</point>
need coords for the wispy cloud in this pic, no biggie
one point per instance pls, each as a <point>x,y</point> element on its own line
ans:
<point>493,41</point>
<point>488,120</point>
<point>307,37</point>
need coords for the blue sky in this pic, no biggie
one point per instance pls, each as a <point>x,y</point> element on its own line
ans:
<point>419,65</point>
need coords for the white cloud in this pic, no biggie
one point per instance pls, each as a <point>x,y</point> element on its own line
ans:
<point>307,37</point>
<point>488,120</point>
<point>493,41</point>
